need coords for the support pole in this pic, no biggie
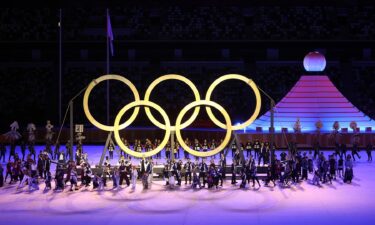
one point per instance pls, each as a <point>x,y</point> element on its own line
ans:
<point>107,69</point>
<point>172,145</point>
<point>71,130</point>
<point>272,131</point>
<point>235,140</point>
<point>60,66</point>
<point>109,139</point>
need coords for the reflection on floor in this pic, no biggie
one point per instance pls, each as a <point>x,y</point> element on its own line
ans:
<point>303,203</point>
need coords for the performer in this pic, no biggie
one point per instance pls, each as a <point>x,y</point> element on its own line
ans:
<point>188,169</point>
<point>156,144</point>
<point>176,150</point>
<point>106,171</point>
<point>316,178</point>
<point>316,149</point>
<point>138,146</point>
<point>87,174</point>
<point>111,148</point>
<point>23,149</point>
<point>203,169</point>
<point>74,178</point>
<point>223,164</point>
<point>337,149</point>
<point>148,145</point>
<point>253,172</point>
<point>368,151</point>
<point>79,156</point>
<point>126,143</point>
<point>49,132</point>
<point>69,147</point>
<point>234,148</point>
<point>40,165</point>
<point>197,147</point>
<point>56,151</point>
<point>9,167</point>
<point>166,173</point>
<point>256,147</point>
<point>248,148</point>
<point>243,178</point>
<point>237,157</point>
<point>205,146</point>
<point>305,167</point>
<point>221,174</point>
<point>124,174</point>
<point>99,184</point>
<point>26,178</point>
<point>188,143</point>
<point>196,179</point>
<point>355,151</point>
<point>213,176</point>
<point>233,168</point>
<point>171,180</point>
<point>116,178</point>
<point>13,135</point>
<point>33,183</point>
<point>343,150</point>
<point>1,175</point>
<point>2,152</point>
<point>46,165</point>
<point>212,147</point>
<point>340,167</point>
<point>348,170</point>
<point>59,179</point>
<point>48,181</point>
<point>177,171</point>
<point>270,175</point>
<point>12,152</point>
<point>134,175</point>
<point>168,150</point>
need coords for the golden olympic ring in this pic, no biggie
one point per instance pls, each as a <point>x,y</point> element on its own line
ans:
<point>227,121</point>
<point>87,95</point>
<point>172,77</point>
<point>117,129</point>
<point>251,83</point>
<point>178,125</point>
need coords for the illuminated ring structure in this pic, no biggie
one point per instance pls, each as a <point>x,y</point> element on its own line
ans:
<point>167,126</point>
<point>117,129</point>
<point>257,97</point>
<point>87,95</point>
<point>172,77</point>
<point>227,135</point>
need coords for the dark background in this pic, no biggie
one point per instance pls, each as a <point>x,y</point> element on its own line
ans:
<point>264,40</point>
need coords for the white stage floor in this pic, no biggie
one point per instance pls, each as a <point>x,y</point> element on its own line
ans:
<point>304,203</point>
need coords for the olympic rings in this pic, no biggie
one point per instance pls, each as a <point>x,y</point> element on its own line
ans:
<point>117,128</point>
<point>172,77</point>
<point>257,97</point>
<point>227,135</point>
<point>178,125</point>
<point>86,101</point>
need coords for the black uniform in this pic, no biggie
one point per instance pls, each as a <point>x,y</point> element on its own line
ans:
<point>368,151</point>
<point>188,169</point>
<point>203,169</point>
<point>248,148</point>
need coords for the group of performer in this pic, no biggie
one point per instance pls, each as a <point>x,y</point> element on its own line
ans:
<point>248,159</point>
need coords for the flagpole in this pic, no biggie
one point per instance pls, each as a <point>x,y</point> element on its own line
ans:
<point>107,68</point>
<point>60,66</point>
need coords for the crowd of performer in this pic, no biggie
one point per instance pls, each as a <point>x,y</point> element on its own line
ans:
<point>252,163</point>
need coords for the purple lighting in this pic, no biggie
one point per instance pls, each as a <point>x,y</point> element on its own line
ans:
<point>314,98</point>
